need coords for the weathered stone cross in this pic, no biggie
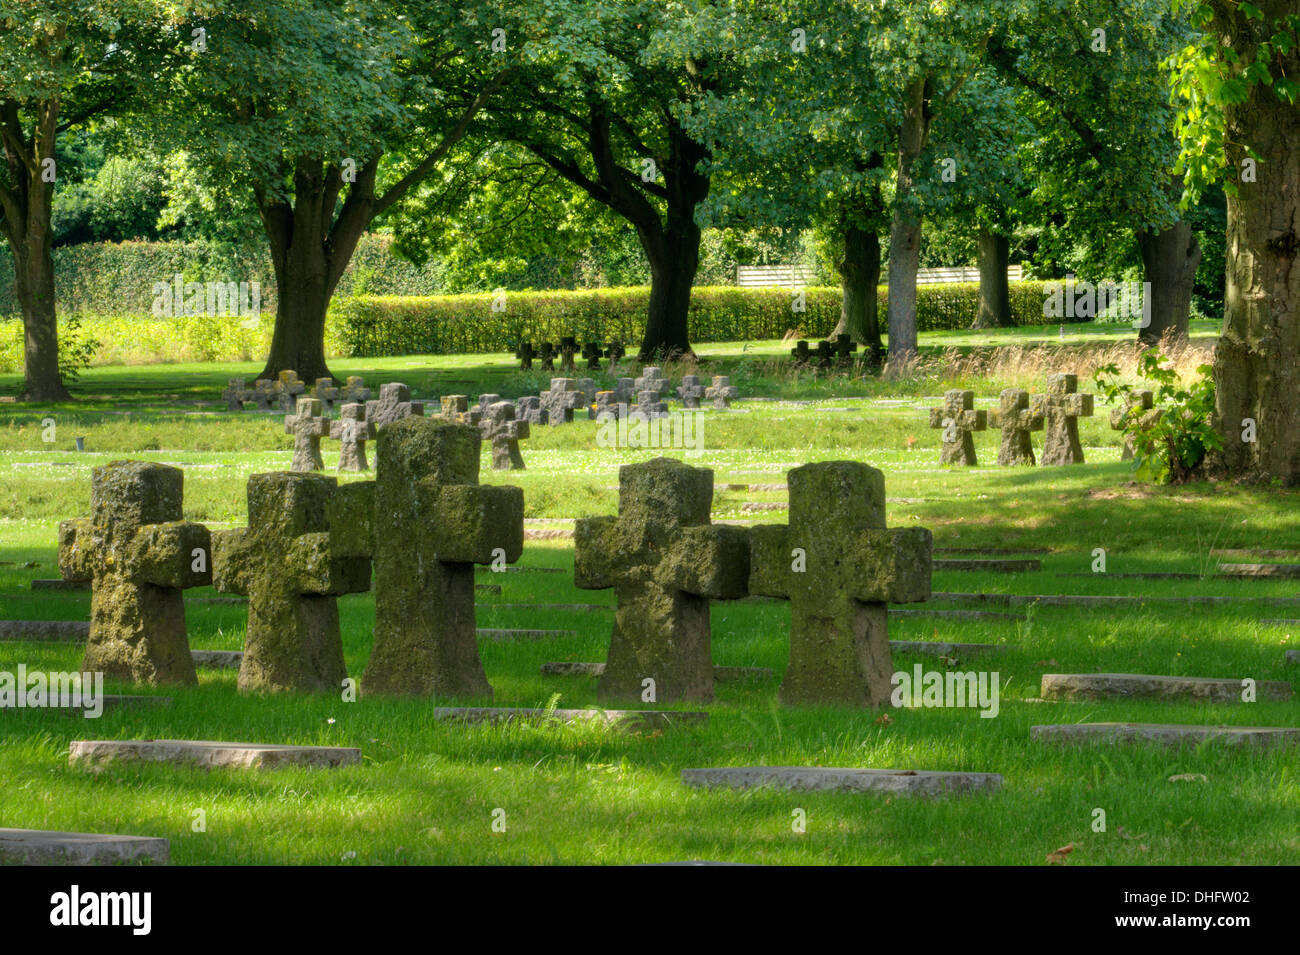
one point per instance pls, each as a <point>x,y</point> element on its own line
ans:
<point>652,379</point>
<point>958,419</point>
<point>690,391</point>
<point>352,431</point>
<point>525,354</point>
<point>1060,409</point>
<point>308,540</point>
<point>288,387</point>
<point>327,392</point>
<point>665,561</point>
<point>615,353</point>
<point>721,392</point>
<point>546,355</point>
<point>236,394</point>
<point>1135,408</point>
<point>1016,421</point>
<point>592,352</point>
<point>839,567</point>
<point>308,426</point>
<point>498,426</point>
<point>140,553</point>
<point>561,400</point>
<point>433,523</point>
<point>456,408</point>
<point>394,403</point>
<point>568,348</point>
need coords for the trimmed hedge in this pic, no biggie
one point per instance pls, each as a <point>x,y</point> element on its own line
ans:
<point>105,278</point>
<point>466,324</point>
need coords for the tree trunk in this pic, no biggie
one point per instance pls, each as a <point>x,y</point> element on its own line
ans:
<point>859,277</point>
<point>1169,261</point>
<point>673,264</point>
<point>995,292</point>
<point>905,231</point>
<point>1256,366</point>
<point>34,281</point>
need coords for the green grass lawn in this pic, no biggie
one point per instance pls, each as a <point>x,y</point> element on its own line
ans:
<point>426,791</point>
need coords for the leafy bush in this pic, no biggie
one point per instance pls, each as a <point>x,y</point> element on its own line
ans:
<point>1170,441</point>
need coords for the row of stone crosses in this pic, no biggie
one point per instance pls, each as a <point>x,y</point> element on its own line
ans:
<point>568,352</point>
<point>422,524</point>
<point>1055,413</point>
<point>501,423</point>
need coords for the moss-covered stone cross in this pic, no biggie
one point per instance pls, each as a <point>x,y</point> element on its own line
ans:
<point>433,523</point>
<point>840,568</point>
<point>308,426</point>
<point>665,561</point>
<point>140,554</point>
<point>1015,420</point>
<point>958,419</point>
<point>1060,409</point>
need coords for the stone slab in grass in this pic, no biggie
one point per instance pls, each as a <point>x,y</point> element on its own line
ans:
<point>218,659</point>
<point>630,719</point>
<point>487,588</point>
<point>1170,734</point>
<point>61,631</point>
<point>585,608</point>
<point>48,847</point>
<point>57,584</point>
<point>210,754</point>
<point>753,507</point>
<point>1281,621</point>
<point>218,601</point>
<point>960,614</point>
<point>903,782</point>
<point>1293,656</point>
<point>940,648</point>
<point>1259,570</point>
<point>989,566</point>
<point>521,570</point>
<point>1112,686</point>
<point>1161,575</point>
<point>720,673</point>
<point>1099,600</point>
<point>993,550</point>
<point>1252,553</point>
<point>489,633</point>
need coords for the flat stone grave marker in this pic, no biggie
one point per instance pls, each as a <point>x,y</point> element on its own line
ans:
<point>60,631</point>
<point>1293,656</point>
<point>50,847</point>
<point>209,754</point>
<point>938,648</point>
<point>628,719</point>
<point>61,585</point>
<point>823,779</point>
<point>960,614</point>
<point>720,673</point>
<point>1281,622</point>
<point>1110,686</point>
<point>489,633</point>
<point>992,550</point>
<point>1170,734</point>
<point>521,570</point>
<point>1252,553</point>
<point>1152,575</point>
<point>487,588</point>
<point>582,608</point>
<point>989,566</point>
<point>218,659</point>
<point>1259,570</point>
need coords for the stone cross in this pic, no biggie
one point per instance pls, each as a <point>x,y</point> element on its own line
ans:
<point>547,356</point>
<point>264,394</point>
<point>568,348</point>
<point>308,426</point>
<point>825,357</point>
<point>1136,405</point>
<point>625,390</point>
<point>139,553</point>
<point>615,353</point>
<point>327,393</point>
<point>394,403</point>
<point>690,391</point>
<point>487,401</point>
<point>665,561</point>
<point>499,427</point>
<point>721,392</point>
<point>561,400</point>
<point>800,353</point>
<point>355,391</point>
<point>958,419</point>
<point>1016,421</point>
<point>1060,409</point>
<point>525,354</point>
<point>843,348</point>
<point>530,409</point>
<point>456,408</point>
<point>648,406</point>
<point>608,405</point>
<point>652,379</point>
<point>433,523</point>
<point>352,431</point>
<point>308,541</point>
<point>840,568</point>
<point>236,394</point>
<point>288,387</point>
<point>592,352</point>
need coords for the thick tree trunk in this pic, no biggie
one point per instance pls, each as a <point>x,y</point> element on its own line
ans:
<point>34,282</point>
<point>1257,361</point>
<point>673,264</point>
<point>859,277</point>
<point>1169,261</point>
<point>298,342</point>
<point>905,231</point>
<point>994,309</point>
